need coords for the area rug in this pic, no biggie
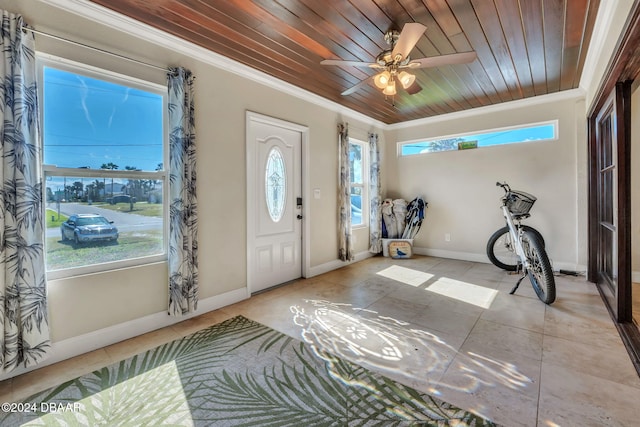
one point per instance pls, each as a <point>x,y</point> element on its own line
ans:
<point>236,373</point>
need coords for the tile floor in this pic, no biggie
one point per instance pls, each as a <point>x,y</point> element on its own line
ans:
<point>507,357</point>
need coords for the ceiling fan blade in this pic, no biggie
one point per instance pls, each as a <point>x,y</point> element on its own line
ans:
<point>352,89</point>
<point>414,88</point>
<point>409,36</point>
<point>341,63</point>
<point>438,61</point>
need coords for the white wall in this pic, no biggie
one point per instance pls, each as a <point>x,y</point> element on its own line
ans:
<point>460,185</point>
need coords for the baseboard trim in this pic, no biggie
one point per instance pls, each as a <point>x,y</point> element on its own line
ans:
<point>578,268</point>
<point>336,264</point>
<point>81,344</point>
<point>440,253</point>
<point>475,257</point>
<point>635,276</point>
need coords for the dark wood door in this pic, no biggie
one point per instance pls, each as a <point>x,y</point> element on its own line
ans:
<point>610,202</point>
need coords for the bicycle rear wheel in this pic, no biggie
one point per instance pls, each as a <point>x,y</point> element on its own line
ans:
<point>500,248</point>
<point>539,270</point>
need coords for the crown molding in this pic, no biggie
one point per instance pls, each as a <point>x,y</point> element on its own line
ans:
<point>573,94</point>
<point>606,15</point>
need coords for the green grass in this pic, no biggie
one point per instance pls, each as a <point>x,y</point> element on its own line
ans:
<point>57,219</point>
<point>139,208</point>
<point>130,245</point>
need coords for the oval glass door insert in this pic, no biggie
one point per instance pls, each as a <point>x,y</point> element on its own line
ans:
<point>275,184</point>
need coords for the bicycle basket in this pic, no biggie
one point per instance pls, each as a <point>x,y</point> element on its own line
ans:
<point>519,202</point>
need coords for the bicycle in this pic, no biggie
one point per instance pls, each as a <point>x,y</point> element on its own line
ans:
<point>519,247</point>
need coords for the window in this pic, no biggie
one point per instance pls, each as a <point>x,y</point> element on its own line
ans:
<point>358,159</point>
<point>527,133</point>
<point>275,184</point>
<point>104,161</point>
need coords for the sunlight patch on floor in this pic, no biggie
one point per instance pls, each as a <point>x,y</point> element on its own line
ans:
<point>396,348</point>
<point>405,275</point>
<point>366,337</point>
<point>161,385</point>
<point>463,291</point>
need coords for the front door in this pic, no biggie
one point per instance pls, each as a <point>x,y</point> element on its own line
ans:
<point>274,202</point>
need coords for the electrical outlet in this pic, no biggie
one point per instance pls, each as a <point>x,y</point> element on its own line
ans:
<point>447,237</point>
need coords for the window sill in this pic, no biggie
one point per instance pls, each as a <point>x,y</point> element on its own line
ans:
<point>359,227</point>
<point>104,268</point>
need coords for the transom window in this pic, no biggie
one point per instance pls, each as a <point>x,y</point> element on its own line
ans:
<point>104,162</point>
<point>512,135</point>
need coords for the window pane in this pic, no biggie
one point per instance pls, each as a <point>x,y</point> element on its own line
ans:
<point>527,133</point>
<point>356,205</point>
<point>104,123</point>
<point>355,158</point>
<point>92,123</point>
<point>275,184</point>
<point>97,220</point>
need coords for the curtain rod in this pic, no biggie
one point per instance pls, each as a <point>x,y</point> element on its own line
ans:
<point>53,36</point>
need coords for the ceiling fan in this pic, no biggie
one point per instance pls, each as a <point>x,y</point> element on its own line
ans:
<point>395,61</point>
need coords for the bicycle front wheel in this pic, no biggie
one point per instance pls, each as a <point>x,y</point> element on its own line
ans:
<point>539,269</point>
<point>501,250</point>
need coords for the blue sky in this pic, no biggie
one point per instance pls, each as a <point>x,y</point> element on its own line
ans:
<point>89,122</point>
<point>512,135</point>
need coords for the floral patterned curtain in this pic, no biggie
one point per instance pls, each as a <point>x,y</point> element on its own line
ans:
<point>23,293</point>
<point>345,245</point>
<point>375,215</point>
<point>183,213</point>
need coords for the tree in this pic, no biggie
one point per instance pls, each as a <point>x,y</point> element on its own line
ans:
<point>150,185</point>
<point>78,189</point>
<point>134,186</point>
<point>99,186</point>
<point>93,189</point>
<point>443,145</point>
<point>75,190</point>
<point>91,192</point>
<point>110,166</point>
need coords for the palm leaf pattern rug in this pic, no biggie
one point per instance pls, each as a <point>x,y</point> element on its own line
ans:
<point>237,373</point>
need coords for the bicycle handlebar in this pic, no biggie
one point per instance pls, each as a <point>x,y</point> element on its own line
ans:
<point>504,186</point>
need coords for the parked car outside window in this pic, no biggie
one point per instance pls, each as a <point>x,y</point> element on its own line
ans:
<point>84,228</point>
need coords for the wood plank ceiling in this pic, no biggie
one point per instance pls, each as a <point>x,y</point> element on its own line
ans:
<point>525,47</point>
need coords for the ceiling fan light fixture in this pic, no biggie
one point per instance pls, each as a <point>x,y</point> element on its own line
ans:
<point>406,79</point>
<point>390,89</point>
<point>382,79</point>
<point>394,60</point>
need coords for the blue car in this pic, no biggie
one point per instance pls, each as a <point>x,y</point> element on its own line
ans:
<point>84,228</point>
